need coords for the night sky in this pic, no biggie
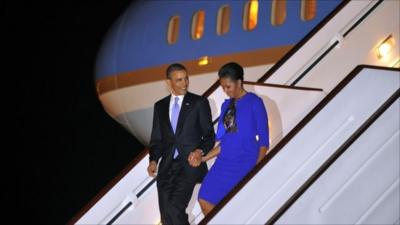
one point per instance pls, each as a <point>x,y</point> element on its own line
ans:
<point>68,147</point>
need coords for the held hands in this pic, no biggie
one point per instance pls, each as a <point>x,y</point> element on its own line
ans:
<point>195,158</point>
<point>152,169</point>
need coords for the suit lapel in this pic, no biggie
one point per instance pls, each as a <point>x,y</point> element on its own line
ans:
<point>185,108</point>
<point>165,113</point>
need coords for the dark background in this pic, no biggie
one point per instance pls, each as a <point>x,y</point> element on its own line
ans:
<point>68,148</point>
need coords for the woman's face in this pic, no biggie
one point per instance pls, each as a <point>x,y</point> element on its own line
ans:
<point>231,87</point>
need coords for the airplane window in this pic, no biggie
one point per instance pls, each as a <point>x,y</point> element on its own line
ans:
<point>198,24</point>
<point>223,20</point>
<point>308,9</point>
<point>250,15</point>
<point>173,30</point>
<point>278,12</point>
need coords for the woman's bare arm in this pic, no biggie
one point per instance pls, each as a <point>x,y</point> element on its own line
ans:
<point>213,153</point>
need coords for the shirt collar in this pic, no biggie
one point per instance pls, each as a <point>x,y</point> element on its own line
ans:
<point>179,96</point>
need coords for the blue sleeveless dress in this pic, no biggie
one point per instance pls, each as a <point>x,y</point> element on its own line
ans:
<point>239,150</point>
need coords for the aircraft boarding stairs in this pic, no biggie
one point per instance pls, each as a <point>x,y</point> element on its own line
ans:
<point>334,154</point>
<point>339,165</point>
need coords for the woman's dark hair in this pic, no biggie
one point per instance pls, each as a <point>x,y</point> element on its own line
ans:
<point>174,67</point>
<point>231,70</point>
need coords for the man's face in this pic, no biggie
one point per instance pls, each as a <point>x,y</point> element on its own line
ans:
<point>179,82</point>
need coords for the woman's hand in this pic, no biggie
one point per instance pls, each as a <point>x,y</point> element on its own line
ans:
<point>195,158</point>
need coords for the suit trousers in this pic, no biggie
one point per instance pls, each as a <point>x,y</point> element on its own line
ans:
<point>175,190</point>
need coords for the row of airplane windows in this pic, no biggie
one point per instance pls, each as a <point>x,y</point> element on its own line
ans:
<point>250,15</point>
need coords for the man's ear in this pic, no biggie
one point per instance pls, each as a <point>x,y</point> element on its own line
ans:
<point>168,82</point>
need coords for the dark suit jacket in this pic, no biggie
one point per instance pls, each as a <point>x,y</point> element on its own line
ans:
<point>194,130</point>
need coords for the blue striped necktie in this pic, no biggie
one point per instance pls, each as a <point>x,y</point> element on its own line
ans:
<point>174,119</point>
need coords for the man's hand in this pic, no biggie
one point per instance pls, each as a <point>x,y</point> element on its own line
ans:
<point>194,158</point>
<point>152,168</point>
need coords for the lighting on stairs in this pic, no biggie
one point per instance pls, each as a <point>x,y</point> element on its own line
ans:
<point>384,49</point>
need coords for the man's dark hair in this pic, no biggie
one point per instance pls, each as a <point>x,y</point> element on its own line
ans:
<point>232,70</point>
<point>174,67</point>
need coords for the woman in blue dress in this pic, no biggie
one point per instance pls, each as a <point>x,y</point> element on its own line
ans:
<point>242,138</point>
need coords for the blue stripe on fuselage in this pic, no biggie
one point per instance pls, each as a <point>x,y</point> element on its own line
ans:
<point>138,39</point>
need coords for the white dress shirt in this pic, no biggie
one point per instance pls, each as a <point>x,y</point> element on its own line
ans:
<point>172,101</point>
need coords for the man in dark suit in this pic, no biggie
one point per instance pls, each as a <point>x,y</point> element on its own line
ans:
<point>182,132</point>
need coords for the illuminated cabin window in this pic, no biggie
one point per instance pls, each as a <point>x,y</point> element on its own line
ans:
<point>278,12</point>
<point>250,15</point>
<point>223,20</point>
<point>308,9</point>
<point>173,30</point>
<point>198,24</point>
